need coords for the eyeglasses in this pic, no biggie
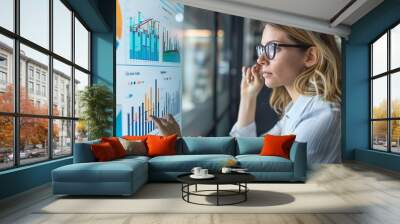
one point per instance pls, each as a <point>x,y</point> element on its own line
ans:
<point>270,48</point>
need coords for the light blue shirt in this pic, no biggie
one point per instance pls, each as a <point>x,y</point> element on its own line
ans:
<point>312,120</point>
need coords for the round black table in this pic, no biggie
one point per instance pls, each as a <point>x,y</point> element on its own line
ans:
<point>238,179</point>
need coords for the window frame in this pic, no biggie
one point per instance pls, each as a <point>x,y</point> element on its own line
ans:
<point>16,114</point>
<point>388,74</point>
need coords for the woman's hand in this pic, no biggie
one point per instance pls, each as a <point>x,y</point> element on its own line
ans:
<point>252,81</point>
<point>167,126</point>
<point>251,85</point>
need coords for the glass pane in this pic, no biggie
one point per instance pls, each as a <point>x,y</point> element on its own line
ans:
<point>62,29</point>
<point>198,71</point>
<point>81,131</point>
<point>33,139</point>
<point>379,55</point>
<point>6,74</point>
<point>34,94</point>
<point>35,21</point>
<point>379,135</point>
<point>7,14</point>
<point>379,97</point>
<point>62,89</point>
<point>395,47</point>
<point>81,81</point>
<point>395,136</point>
<point>62,138</point>
<point>395,94</point>
<point>223,38</point>
<point>81,45</point>
<point>6,142</point>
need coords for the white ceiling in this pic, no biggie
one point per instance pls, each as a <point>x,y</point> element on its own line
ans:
<point>316,15</point>
<point>320,9</point>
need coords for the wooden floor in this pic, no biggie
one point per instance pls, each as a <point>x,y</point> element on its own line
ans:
<point>378,188</point>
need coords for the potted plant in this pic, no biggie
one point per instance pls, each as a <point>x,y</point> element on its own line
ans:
<point>96,103</point>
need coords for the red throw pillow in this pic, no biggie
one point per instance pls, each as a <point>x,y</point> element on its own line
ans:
<point>161,145</point>
<point>277,145</point>
<point>103,151</point>
<point>116,145</point>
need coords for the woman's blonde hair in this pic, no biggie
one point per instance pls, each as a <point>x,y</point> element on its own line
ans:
<point>323,78</point>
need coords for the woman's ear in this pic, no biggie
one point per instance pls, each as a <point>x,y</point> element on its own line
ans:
<point>310,57</point>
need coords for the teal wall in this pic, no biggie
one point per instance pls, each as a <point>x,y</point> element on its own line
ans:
<point>356,85</point>
<point>99,16</point>
<point>24,178</point>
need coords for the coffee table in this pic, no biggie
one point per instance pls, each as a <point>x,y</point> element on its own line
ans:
<point>238,179</point>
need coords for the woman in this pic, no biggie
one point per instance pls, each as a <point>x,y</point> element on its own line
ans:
<point>303,70</point>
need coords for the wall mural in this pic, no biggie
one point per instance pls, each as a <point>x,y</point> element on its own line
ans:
<point>148,59</point>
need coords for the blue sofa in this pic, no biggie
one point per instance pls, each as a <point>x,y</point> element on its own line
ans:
<point>125,176</point>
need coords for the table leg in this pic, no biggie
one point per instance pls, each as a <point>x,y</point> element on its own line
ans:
<point>245,193</point>
<point>196,188</point>
<point>217,194</point>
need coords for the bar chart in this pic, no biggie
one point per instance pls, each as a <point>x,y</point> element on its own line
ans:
<point>144,38</point>
<point>137,118</point>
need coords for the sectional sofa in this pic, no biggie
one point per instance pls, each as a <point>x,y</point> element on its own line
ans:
<point>125,176</point>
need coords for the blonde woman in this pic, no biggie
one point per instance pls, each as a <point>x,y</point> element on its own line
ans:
<point>303,70</point>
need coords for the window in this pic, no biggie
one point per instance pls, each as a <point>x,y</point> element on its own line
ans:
<point>35,22</point>
<point>62,74</point>
<point>385,96</point>
<point>38,89</point>
<point>3,78</point>
<point>62,29</point>
<point>7,73</point>
<point>81,45</point>
<point>3,61</point>
<point>54,126</point>
<point>7,14</point>
<point>38,74</point>
<point>30,87</point>
<point>44,91</point>
<point>30,72</point>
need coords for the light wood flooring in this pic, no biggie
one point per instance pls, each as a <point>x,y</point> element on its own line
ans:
<point>378,188</point>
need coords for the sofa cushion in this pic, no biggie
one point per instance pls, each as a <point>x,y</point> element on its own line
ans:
<point>277,145</point>
<point>116,145</point>
<point>103,152</point>
<point>111,171</point>
<point>257,163</point>
<point>249,145</point>
<point>207,145</point>
<point>161,145</point>
<point>134,147</point>
<point>185,163</point>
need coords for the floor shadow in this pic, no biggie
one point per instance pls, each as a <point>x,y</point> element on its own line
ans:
<point>255,198</point>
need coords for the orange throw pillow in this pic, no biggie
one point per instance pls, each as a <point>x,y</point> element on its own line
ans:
<point>277,145</point>
<point>161,145</point>
<point>134,138</point>
<point>103,151</point>
<point>116,145</point>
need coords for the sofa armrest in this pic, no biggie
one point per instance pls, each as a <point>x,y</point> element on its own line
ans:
<point>298,155</point>
<point>83,152</point>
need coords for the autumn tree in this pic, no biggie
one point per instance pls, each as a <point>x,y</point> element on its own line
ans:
<point>33,131</point>
<point>380,127</point>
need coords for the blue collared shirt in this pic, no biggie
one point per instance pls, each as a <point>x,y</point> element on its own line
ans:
<point>312,120</point>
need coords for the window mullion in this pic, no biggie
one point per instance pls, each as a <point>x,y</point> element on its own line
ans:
<point>16,84</point>
<point>50,81</point>
<point>73,82</point>
<point>389,94</point>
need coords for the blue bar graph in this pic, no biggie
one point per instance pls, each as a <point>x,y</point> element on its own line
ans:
<point>138,120</point>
